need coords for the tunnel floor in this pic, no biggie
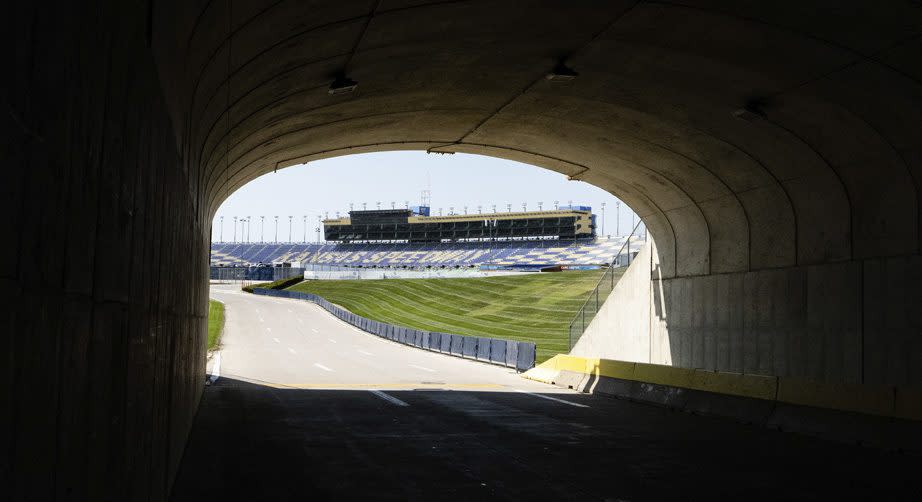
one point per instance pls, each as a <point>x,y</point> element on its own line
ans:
<point>255,442</point>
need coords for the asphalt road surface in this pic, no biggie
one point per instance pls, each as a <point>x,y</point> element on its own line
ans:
<point>310,408</point>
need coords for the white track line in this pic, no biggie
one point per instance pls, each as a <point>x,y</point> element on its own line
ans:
<point>276,340</point>
<point>365,352</point>
<point>314,330</point>
<point>422,368</point>
<point>291,350</point>
<point>332,340</point>
<point>269,330</point>
<point>387,397</point>
<point>553,399</point>
<point>324,368</point>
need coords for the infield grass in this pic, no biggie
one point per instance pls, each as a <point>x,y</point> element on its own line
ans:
<point>215,323</point>
<point>531,307</point>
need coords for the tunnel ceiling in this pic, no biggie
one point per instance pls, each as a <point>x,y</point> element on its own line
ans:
<point>748,135</point>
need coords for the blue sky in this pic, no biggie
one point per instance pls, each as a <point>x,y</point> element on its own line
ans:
<point>459,180</point>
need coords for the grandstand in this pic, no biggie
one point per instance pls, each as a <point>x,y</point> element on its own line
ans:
<point>410,238</point>
<point>413,225</point>
<point>497,255</point>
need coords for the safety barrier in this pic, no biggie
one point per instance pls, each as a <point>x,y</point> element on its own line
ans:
<point>509,353</point>
<point>878,415</point>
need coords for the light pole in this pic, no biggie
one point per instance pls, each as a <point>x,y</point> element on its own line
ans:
<point>276,229</point>
<point>222,230</point>
<point>248,228</point>
<point>318,227</point>
<point>556,204</point>
<point>304,237</point>
<point>289,228</point>
<point>617,218</point>
<point>603,218</point>
<point>262,229</point>
<point>235,230</point>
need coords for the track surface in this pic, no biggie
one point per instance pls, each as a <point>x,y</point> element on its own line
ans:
<point>308,407</point>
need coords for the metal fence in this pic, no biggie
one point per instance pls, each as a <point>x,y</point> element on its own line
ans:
<point>261,274</point>
<point>509,353</point>
<point>599,294</point>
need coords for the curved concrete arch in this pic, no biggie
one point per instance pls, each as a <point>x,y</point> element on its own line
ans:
<point>772,148</point>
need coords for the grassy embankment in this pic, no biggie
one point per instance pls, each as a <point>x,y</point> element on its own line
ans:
<point>533,307</point>
<point>215,323</point>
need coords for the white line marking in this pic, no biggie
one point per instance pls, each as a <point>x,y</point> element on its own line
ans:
<point>262,320</point>
<point>215,369</point>
<point>291,350</point>
<point>314,330</point>
<point>387,397</point>
<point>422,368</point>
<point>324,368</point>
<point>365,352</point>
<point>332,340</point>
<point>276,340</point>
<point>269,330</point>
<point>553,399</point>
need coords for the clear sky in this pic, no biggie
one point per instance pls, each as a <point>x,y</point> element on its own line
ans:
<point>455,181</point>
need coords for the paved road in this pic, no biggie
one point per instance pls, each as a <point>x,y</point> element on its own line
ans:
<point>310,408</point>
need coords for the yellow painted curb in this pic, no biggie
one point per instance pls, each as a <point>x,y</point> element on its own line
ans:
<point>883,400</point>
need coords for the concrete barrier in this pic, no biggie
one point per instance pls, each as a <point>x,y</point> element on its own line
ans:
<point>525,358</point>
<point>879,415</point>
<point>456,345</point>
<point>469,347</point>
<point>483,349</point>
<point>491,350</point>
<point>498,351</point>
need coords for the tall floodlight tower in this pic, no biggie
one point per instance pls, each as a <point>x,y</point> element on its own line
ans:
<point>222,230</point>
<point>248,228</point>
<point>276,229</point>
<point>603,218</point>
<point>262,229</point>
<point>617,218</point>
<point>289,228</point>
<point>318,226</point>
<point>304,236</point>
<point>235,230</point>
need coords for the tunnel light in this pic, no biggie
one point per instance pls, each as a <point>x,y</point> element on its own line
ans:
<point>342,85</point>
<point>562,73</point>
<point>752,112</point>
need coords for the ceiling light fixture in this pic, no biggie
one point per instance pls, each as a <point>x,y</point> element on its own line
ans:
<point>561,73</point>
<point>752,112</point>
<point>342,85</point>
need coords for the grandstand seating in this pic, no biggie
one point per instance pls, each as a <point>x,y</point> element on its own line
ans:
<point>416,255</point>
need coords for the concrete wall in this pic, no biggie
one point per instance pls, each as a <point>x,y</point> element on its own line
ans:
<point>102,263</point>
<point>855,321</point>
<point>617,331</point>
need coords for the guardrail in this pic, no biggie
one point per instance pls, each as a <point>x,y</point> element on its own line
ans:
<point>603,288</point>
<point>509,353</point>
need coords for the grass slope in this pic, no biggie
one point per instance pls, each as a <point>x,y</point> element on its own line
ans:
<point>533,307</point>
<point>215,323</point>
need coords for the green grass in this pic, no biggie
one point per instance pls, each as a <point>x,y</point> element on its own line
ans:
<point>215,323</point>
<point>533,307</point>
<point>279,284</point>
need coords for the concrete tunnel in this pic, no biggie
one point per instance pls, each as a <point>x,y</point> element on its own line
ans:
<point>772,149</point>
